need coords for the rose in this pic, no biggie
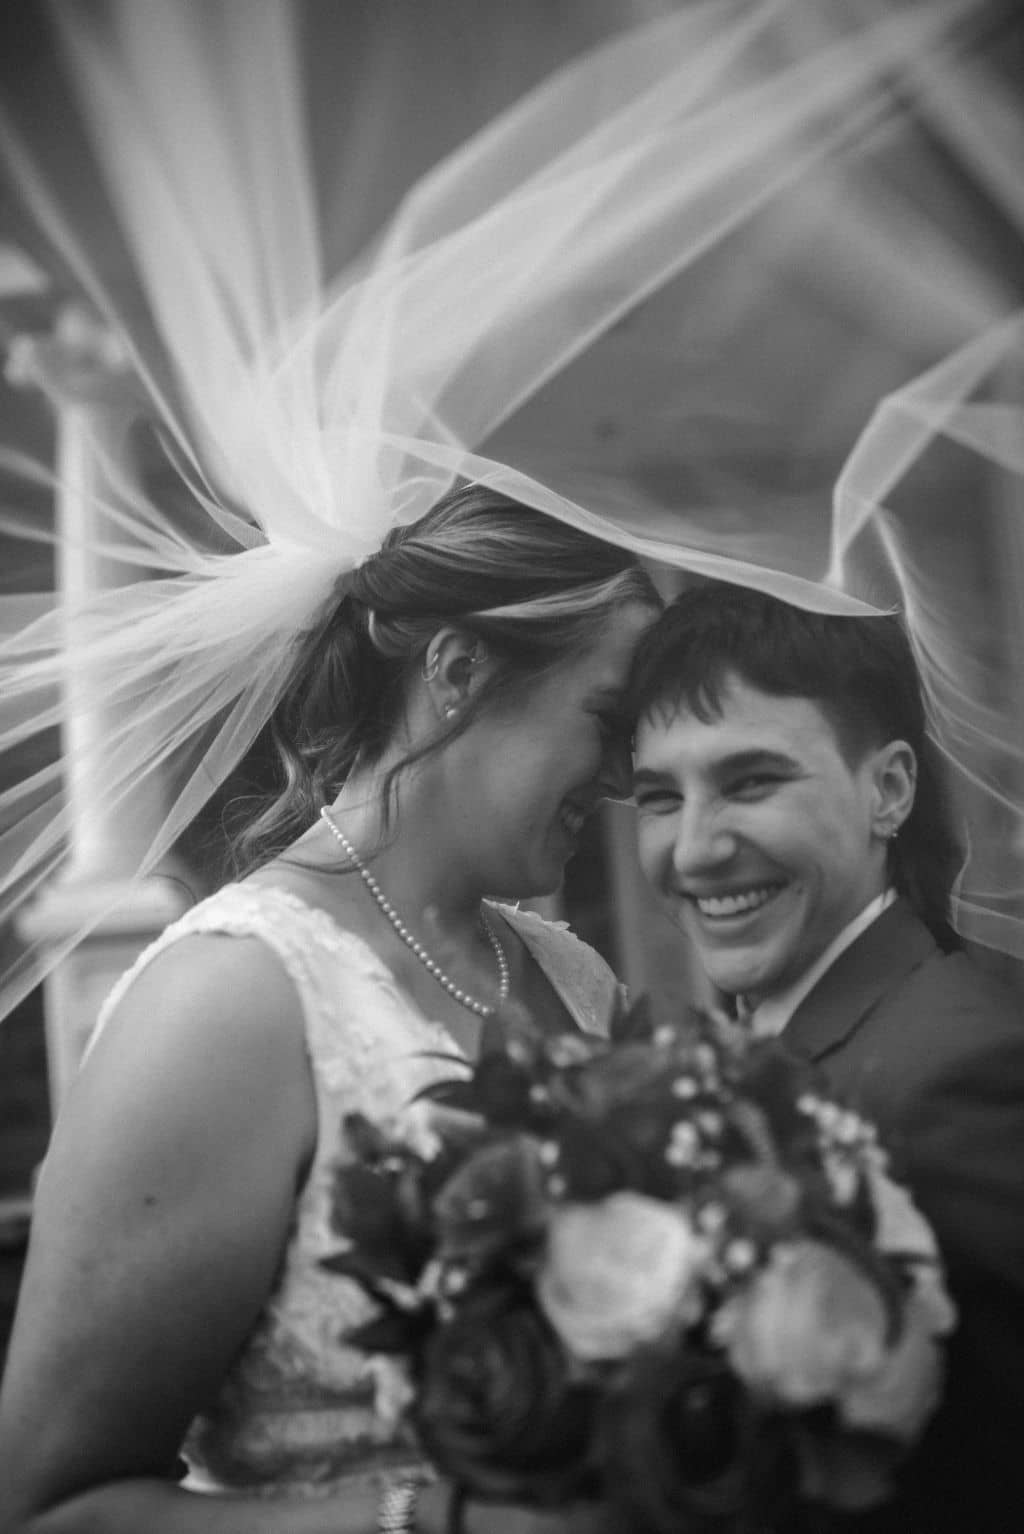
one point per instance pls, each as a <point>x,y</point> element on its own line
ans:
<point>614,1080</point>
<point>806,1324</point>
<point>613,1121</point>
<point>625,1151</point>
<point>495,1202</point>
<point>763,1197</point>
<point>681,1446</point>
<point>812,1328</point>
<point>619,1273</point>
<point>900,1395</point>
<point>497,1408</point>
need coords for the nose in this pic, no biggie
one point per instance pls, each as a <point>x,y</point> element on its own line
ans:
<point>615,779</point>
<point>703,842</point>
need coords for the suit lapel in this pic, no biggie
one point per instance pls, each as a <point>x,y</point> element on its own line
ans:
<point>890,949</point>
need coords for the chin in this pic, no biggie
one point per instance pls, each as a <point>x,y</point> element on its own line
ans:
<point>743,976</point>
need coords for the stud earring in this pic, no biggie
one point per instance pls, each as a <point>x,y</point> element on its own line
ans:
<point>891,833</point>
<point>450,710</point>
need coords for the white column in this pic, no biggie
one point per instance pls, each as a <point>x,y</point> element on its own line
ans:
<point>85,374</point>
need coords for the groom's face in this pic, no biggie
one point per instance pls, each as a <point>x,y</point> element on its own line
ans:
<point>758,832</point>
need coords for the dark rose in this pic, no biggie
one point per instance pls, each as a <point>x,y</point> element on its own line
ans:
<point>681,1447</point>
<point>496,1409</point>
<point>613,1079</point>
<point>501,1090</point>
<point>623,1151</point>
<point>493,1204</point>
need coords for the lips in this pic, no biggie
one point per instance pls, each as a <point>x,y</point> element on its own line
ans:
<point>735,903</point>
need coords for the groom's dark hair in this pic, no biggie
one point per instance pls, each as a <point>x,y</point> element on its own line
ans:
<point>861,673</point>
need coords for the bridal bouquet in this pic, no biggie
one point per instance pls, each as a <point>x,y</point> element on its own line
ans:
<point>659,1269</point>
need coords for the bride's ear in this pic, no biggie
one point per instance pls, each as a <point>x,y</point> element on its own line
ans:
<point>454,663</point>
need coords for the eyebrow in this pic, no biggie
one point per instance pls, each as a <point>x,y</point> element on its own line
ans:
<point>740,761</point>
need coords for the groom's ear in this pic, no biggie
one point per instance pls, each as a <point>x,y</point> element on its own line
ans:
<point>894,785</point>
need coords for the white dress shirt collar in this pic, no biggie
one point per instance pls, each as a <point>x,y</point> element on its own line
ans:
<point>770,1017</point>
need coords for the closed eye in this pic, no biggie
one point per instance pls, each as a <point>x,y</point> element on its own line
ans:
<point>754,785</point>
<point>657,801</point>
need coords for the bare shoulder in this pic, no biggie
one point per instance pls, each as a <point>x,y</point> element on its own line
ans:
<point>210,1031</point>
<point>207,987</point>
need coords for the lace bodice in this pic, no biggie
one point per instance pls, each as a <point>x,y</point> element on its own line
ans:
<point>295,1414</point>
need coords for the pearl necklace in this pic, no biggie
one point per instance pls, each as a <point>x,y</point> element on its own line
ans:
<point>482,1009</point>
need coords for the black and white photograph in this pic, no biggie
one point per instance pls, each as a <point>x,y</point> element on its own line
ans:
<point>512,767</point>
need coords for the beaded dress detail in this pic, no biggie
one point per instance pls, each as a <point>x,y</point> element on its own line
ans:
<point>295,1414</point>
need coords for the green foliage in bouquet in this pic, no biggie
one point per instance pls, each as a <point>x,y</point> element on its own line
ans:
<point>660,1269</point>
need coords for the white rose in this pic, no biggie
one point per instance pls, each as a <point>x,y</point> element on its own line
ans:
<point>901,1394</point>
<point>804,1325</point>
<point>620,1273</point>
<point>811,1328</point>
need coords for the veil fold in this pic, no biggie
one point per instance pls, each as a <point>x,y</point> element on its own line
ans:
<point>724,289</point>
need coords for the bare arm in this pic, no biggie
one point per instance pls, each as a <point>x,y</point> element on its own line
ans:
<point>159,1222</point>
<point>159,1225</point>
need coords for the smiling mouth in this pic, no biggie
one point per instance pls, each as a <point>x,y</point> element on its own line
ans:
<point>738,903</point>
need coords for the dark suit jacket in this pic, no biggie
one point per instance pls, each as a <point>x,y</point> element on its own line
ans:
<point>931,1049</point>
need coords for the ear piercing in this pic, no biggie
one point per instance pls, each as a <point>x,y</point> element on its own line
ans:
<point>432,662</point>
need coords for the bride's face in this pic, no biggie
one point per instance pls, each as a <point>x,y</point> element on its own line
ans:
<point>534,767</point>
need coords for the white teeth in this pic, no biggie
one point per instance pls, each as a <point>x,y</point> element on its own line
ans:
<point>738,904</point>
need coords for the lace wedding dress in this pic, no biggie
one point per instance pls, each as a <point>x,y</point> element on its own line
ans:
<point>295,1413</point>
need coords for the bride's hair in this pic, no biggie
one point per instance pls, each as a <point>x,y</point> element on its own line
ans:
<point>534,590</point>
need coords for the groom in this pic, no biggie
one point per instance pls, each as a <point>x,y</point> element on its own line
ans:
<point>790,816</point>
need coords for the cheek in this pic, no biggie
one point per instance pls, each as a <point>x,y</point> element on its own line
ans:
<point>831,833</point>
<point>517,788</point>
<point>805,833</point>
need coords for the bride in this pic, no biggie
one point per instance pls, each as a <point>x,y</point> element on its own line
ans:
<point>455,719</point>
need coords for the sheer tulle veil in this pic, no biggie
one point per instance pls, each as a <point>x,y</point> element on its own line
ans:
<point>729,288</point>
